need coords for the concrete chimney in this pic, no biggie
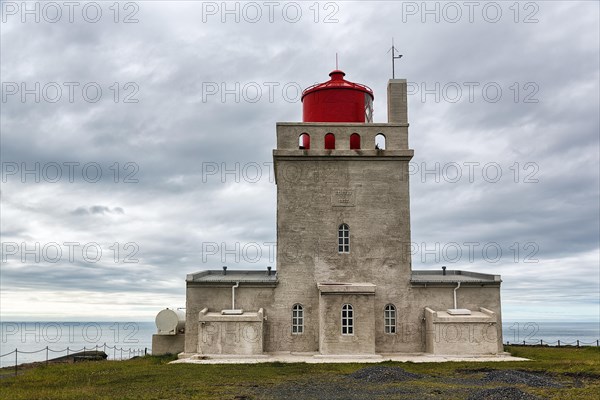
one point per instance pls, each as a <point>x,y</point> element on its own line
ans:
<point>397,101</point>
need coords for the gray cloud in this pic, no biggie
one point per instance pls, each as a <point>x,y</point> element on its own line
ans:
<point>155,191</point>
<point>97,210</point>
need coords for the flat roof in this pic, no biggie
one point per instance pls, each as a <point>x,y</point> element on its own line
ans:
<point>452,276</point>
<point>232,276</point>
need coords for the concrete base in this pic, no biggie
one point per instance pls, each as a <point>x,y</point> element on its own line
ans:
<point>167,344</point>
<point>319,359</point>
<point>460,334</point>
<point>230,334</point>
<point>225,357</point>
<point>349,356</point>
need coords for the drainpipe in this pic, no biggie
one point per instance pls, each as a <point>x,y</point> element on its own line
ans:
<point>238,284</point>
<point>455,289</point>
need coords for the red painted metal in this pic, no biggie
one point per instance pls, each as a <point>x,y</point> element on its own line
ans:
<point>355,141</point>
<point>330,141</point>
<point>337,100</point>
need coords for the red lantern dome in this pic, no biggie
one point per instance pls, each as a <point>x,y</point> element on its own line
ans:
<point>337,100</point>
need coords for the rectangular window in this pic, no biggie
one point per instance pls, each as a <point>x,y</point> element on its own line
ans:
<point>389,319</point>
<point>343,239</point>
<point>347,320</point>
<point>297,319</point>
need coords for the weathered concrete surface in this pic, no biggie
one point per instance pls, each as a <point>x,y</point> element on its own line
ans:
<point>397,101</point>
<point>473,334</point>
<point>230,334</point>
<point>167,344</point>
<point>362,339</point>
<point>248,296</point>
<point>315,359</point>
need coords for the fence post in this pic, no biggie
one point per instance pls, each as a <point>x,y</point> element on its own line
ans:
<point>541,342</point>
<point>67,351</point>
<point>523,343</point>
<point>559,343</point>
<point>121,353</point>
<point>104,347</point>
<point>16,360</point>
<point>145,351</point>
<point>597,342</point>
<point>46,355</point>
<point>115,352</point>
<point>577,342</point>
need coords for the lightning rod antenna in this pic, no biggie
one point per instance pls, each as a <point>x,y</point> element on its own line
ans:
<point>394,58</point>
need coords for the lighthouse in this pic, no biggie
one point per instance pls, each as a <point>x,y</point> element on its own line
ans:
<point>344,282</point>
<point>343,217</point>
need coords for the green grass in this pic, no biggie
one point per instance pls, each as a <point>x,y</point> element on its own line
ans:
<point>153,378</point>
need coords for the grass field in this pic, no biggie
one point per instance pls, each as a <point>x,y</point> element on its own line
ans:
<point>556,373</point>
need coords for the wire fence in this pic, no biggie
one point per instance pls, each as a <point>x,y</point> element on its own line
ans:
<point>557,343</point>
<point>124,354</point>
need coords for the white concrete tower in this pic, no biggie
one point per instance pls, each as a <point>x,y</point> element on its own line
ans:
<point>343,216</point>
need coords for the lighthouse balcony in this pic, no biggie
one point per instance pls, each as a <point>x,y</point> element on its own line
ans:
<point>316,136</point>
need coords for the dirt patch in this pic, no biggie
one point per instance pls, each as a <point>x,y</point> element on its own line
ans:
<point>516,377</point>
<point>381,374</point>
<point>504,393</point>
<point>384,382</point>
<point>337,390</point>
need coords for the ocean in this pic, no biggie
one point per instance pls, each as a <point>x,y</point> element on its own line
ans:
<point>32,338</point>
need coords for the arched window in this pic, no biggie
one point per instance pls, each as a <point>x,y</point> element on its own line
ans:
<point>330,141</point>
<point>297,319</point>
<point>389,318</point>
<point>347,320</point>
<point>304,141</point>
<point>343,239</point>
<point>380,141</point>
<point>355,141</point>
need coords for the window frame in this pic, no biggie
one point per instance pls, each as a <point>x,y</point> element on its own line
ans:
<point>343,239</point>
<point>389,319</point>
<point>347,320</point>
<point>297,319</point>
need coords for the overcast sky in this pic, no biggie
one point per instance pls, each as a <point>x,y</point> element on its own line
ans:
<point>118,124</point>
